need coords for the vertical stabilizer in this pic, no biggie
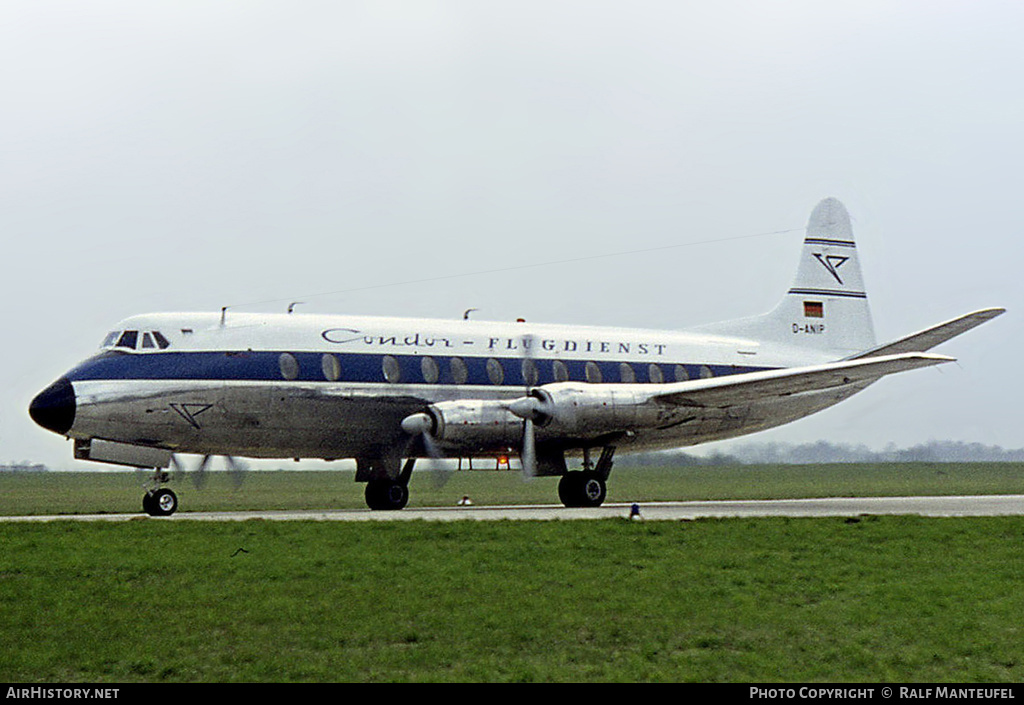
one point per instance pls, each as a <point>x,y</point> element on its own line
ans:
<point>826,309</point>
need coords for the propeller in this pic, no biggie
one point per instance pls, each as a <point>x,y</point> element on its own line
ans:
<point>235,469</point>
<point>532,408</point>
<point>527,408</point>
<point>421,425</point>
<point>197,475</point>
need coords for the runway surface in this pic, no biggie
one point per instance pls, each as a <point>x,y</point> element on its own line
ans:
<point>982,505</point>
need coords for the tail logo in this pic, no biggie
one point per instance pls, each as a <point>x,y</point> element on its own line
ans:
<point>832,263</point>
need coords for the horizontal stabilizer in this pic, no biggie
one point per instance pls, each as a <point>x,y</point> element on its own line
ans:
<point>729,391</point>
<point>930,337</point>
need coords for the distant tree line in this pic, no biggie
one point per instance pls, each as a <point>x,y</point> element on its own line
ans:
<point>825,452</point>
<point>783,454</point>
<point>23,467</point>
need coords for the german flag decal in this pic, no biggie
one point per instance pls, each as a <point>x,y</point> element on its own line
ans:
<point>814,309</point>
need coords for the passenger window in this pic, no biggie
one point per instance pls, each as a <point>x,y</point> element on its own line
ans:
<point>460,373</point>
<point>593,373</point>
<point>431,372</point>
<point>530,375</point>
<point>289,366</point>
<point>705,372</point>
<point>392,371</point>
<point>654,374</point>
<point>331,367</point>
<point>560,371</point>
<point>681,374</point>
<point>626,373</point>
<point>494,372</point>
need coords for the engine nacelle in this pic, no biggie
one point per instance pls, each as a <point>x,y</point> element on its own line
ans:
<point>589,411</point>
<point>475,425</point>
<point>564,410</point>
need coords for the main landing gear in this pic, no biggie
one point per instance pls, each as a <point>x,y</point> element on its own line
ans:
<point>387,487</point>
<point>386,494</point>
<point>582,489</point>
<point>390,491</point>
<point>589,487</point>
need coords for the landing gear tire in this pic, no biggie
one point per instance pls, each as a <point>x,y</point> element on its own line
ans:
<point>160,503</point>
<point>582,489</point>
<point>386,495</point>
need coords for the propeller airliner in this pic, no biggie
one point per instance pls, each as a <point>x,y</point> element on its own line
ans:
<point>390,391</point>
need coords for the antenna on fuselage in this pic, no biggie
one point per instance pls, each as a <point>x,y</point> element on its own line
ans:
<point>293,304</point>
<point>465,316</point>
<point>223,314</point>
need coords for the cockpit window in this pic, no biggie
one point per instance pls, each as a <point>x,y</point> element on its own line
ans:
<point>128,339</point>
<point>132,339</point>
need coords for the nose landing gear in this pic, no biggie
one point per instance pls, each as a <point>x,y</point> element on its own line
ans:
<point>161,502</point>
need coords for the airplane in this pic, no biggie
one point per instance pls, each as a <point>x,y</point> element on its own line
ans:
<point>390,391</point>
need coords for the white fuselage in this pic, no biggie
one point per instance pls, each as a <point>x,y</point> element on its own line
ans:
<point>312,386</point>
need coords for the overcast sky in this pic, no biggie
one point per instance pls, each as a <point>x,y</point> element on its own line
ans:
<point>185,155</point>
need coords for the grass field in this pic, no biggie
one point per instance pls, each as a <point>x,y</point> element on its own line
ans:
<point>118,492</point>
<point>867,599</point>
<point>890,599</point>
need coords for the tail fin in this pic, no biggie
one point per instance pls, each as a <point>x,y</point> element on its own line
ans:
<point>826,309</point>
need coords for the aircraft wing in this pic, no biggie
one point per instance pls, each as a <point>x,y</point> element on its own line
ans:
<point>930,337</point>
<point>724,392</point>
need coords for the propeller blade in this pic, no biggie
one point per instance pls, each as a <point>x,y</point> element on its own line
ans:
<point>236,471</point>
<point>178,466</point>
<point>439,475</point>
<point>430,445</point>
<point>529,365</point>
<point>199,474</point>
<point>529,450</point>
<point>528,407</point>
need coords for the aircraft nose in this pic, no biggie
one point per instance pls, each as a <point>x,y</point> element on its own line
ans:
<point>54,407</point>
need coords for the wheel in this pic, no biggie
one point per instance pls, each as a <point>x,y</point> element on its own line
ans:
<point>160,503</point>
<point>582,489</point>
<point>386,494</point>
<point>566,489</point>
